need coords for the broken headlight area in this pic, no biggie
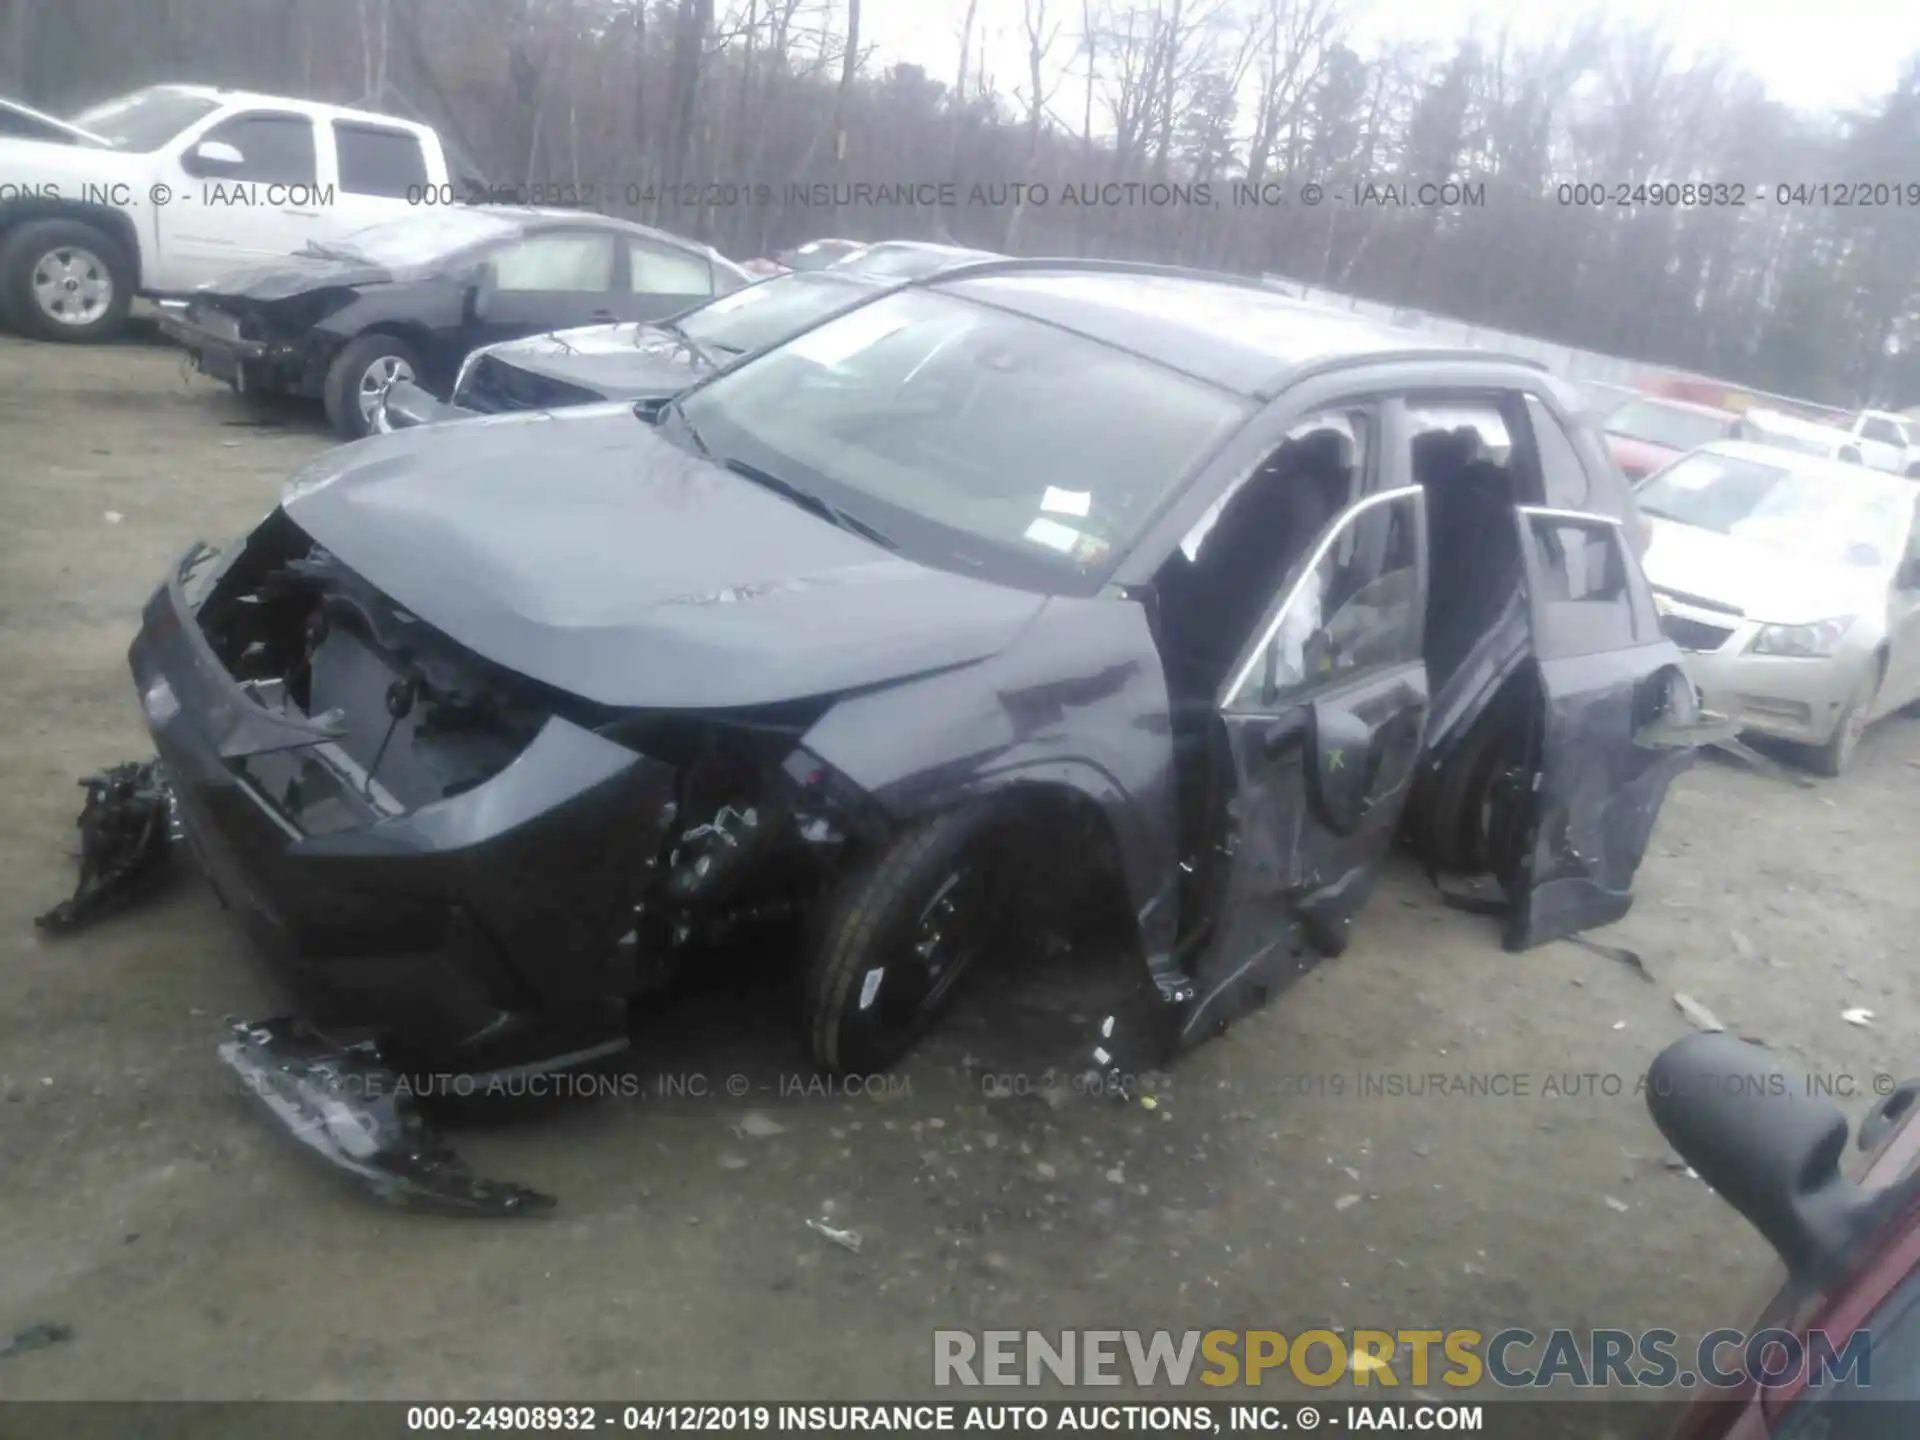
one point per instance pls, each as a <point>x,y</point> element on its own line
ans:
<point>127,826</point>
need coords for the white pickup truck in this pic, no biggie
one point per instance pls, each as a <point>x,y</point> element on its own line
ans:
<point>1888,442</point>
<point>158,192</point>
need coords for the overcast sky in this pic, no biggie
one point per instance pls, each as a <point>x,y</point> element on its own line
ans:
<point>1814,54</point>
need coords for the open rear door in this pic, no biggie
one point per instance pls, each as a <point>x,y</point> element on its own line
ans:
<point>1613,725</point>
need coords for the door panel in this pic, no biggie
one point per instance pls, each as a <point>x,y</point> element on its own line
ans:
<point>1605,675</point>
<point>235,216</point>
<point>1319,732</point>
<point>551,281</point>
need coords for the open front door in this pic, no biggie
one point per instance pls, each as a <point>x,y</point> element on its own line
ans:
<point>1320,728</point>
<point>1612,731</point>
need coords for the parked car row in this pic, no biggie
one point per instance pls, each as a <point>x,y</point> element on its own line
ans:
<point>652,361</point>
<point>409,300</point>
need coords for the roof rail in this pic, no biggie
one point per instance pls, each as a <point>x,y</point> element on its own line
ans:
<point>1041,265</point>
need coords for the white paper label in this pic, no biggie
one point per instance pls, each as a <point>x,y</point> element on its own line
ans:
<point>1053,535</point>
<point>1066,502</point>
<point>840,340</point>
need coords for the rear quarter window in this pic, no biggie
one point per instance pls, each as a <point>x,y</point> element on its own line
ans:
<point>377,161</point>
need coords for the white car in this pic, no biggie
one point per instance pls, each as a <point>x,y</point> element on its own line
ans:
<point>159,192</point>
<point>1791,585</point>
<point>1888,442</point>
<point>1803,437</point>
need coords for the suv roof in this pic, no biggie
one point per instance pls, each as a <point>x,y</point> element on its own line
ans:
<point>1231,332</point>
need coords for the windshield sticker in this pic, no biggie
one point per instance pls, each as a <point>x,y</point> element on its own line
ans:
<point>841,340</point>
<point>1053,535</point>
<point>1066,502</point>
<point>1697,476</point>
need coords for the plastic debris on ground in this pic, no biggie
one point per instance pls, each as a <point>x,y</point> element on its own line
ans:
<point>845,1239</point>
<point>34,1337</point>
<point>1857,1017</point>
<point>1698,1015</point>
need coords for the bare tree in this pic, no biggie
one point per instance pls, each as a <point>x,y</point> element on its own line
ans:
<point>1040,40</point>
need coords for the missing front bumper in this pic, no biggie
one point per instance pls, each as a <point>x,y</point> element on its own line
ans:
<point>348,1108</point>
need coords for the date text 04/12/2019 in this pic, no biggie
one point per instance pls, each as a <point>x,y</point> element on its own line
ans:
<point>1708,194</point>
<point>808,1420</point>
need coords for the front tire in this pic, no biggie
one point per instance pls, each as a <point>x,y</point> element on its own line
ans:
<point>898,935</point>
<point>358,378</point>
<point>65,280</point>
<point>1832,758</point>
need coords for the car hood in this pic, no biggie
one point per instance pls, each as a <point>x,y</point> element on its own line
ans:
<point>621,362</point>
<point>1760,581</point>
<point>581,549</point>
<point>296,275</point>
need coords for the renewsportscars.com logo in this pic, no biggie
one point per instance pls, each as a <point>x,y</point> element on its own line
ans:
<point>1513,1359</point>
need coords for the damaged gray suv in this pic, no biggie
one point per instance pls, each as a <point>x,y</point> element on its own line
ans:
<point>1148,598</point>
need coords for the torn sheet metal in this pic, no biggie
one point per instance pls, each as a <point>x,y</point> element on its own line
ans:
<point>127,827</point>
<point>346,1106</point>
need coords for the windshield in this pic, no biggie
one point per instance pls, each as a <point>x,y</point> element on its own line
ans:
<point>1811,517</point>
<point>145,120</point>
<point>970,431</point>
<point>425,236</point>
<point>761,316</point>
<point>1669,426</point>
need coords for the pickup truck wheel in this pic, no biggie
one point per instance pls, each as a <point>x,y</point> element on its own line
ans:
<point>898,936</point>
<point>358,378</point>
<point>65,280</point>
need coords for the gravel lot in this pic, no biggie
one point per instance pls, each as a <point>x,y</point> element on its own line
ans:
<point>195,1254</point>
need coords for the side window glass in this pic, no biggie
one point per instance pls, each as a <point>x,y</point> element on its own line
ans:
<point>379,162</point>
<point>274,149</point>
<point>1582,600</point>
<point>1330,449</point>
<point>657,270</point>
<point>1358,607</point>
<point>574,263</point>
<point>1562,479</point>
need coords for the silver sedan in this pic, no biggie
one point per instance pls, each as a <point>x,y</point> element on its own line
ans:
<point>1792,582</point>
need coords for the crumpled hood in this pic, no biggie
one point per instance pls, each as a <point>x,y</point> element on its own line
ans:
<point>621,362</point>
<point>581,549</point>
<point>296,275</point>
<point>1761,581</point>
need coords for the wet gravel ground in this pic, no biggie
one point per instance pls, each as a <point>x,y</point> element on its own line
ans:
<point>1303,1171</point>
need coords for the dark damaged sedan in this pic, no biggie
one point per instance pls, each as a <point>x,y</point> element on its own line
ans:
<point>489,725</point>
<point>407,300</point>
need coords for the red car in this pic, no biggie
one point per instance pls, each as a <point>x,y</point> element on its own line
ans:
<point>1770,1145</point>
<point>1646,434</point>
